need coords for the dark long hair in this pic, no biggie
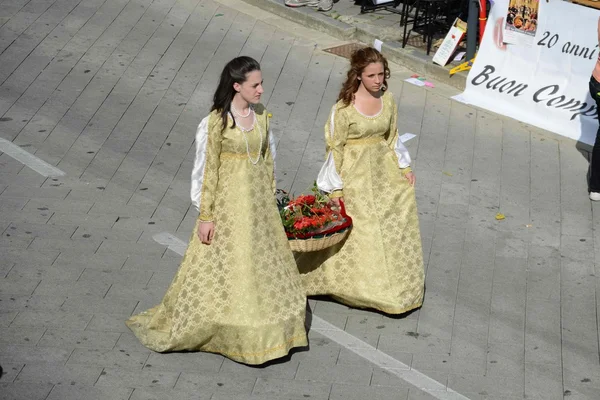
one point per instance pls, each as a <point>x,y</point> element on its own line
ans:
<point>360,59</point>
<point>234,72</point>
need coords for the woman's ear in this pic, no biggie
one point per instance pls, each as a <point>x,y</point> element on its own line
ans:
<point>237,87</point>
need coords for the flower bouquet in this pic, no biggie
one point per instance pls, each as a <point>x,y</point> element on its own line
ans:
<point>312,222</point>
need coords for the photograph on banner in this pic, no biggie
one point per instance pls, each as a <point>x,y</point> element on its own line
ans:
<point>521,22</point>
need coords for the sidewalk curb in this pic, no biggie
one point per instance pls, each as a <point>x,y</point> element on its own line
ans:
<point>408,57</point>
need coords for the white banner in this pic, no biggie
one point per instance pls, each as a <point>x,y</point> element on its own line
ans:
<point>545,84</point>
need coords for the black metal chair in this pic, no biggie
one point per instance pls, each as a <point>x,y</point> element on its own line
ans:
<point>429,18</point>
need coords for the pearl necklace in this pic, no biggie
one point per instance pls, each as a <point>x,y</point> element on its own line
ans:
<point>254,124</point>
<point>236,112</point>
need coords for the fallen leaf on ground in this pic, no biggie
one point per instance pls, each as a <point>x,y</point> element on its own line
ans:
<point>500,216</point>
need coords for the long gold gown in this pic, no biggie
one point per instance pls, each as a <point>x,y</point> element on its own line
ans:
<point>380,263</point>
<point>240,296</point>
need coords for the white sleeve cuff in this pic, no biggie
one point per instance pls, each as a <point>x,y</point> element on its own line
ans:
<point>328,179</point>
<point>402,154</point>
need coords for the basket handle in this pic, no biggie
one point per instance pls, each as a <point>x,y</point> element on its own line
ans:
<point>343,208</point>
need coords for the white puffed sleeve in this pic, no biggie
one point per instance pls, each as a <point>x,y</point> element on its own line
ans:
<point>199,162</point>
<point>329,179</point>
<point>402,153</point>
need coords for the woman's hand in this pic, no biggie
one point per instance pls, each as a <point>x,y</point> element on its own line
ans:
<point>412,179</point>
<point>206,230</point>
<point>336,200</point>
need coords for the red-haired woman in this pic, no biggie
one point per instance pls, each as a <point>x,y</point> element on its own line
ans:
<point>380,264</point>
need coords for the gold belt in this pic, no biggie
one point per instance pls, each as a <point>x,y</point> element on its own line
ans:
<point>369,140</point>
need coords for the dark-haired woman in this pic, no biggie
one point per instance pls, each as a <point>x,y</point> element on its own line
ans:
<point>380,264</point>
<point>238,291</point>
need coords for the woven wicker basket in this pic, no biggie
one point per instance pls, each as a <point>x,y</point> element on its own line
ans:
<point>316,244</point>
<point>325,239</point>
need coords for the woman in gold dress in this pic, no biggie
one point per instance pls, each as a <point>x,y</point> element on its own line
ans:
<point>238,291</point>
<point>380,264</point>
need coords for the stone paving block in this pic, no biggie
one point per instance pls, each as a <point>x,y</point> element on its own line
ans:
<point>436,321</point>
<point>543,381</point>
<point>52,319</point>
<point>348,357</point>
<point>339,320</point>
<point>5,268</point>
<point>59,374</point>
<point>108,322</point>
<point>47,288</point>
<point>36,193</point>
<point>117,359</point>
<point>307,371</point>
<point>31,303</point>
<point>413,343</point>
<point>33,354</point>
<point>448,363</point>
<point>22,217</point>
<point>9,204</point>
<point>139,293</point>
<point>10,372</point>
<point>168,394</point>
<point>93,304</point>
<point>505,360</point>
<point>24,391</point>
<point>542,332</point>
<point>220,383</point>
<point>357,392</point>
<point>496,386</point>
<point>24,336</point>
<point>162,279</point>
<point>16,286</point>
<point>20,179</point>
<point>46,272</point>
<point>77,219</point>
<point>14,242</point>
<point>97,261</point>
<point>74,339</point>
<point>295,389</point>
<point>123,235</point>
<point>85,247</point>
<point>126,377</point>
<point>286,369</point>
<point>144,223</point>
<point>469,342</point>
<point>77,392</point>
<point>108,208</point>
<point>198,362</point>
<point>40,230</point>
<point>141,262</point>
<point>111,276</point>
<point>326,351</point>
<point>129,342</point>
<point>403,378</point>
<point>6,317</point>
<point>54,205</point>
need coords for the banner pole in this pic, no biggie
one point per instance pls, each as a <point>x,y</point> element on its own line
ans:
<point>472,21</point>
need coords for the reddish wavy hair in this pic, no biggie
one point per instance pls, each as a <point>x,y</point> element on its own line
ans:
<point>360,59</point>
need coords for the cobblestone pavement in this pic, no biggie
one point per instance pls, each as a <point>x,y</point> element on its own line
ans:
<point>110,93</point>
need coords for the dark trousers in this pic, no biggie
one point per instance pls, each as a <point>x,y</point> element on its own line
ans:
<point>595,164</point>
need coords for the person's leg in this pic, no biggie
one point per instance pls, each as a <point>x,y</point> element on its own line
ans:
<point>595,161</point>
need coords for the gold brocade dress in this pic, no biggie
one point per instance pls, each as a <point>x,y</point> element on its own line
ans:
<point>241,296</point>
<point>380,263</point>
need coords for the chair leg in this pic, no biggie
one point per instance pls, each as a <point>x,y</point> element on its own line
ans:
<point>404,18</point>
<point>429,29</point>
